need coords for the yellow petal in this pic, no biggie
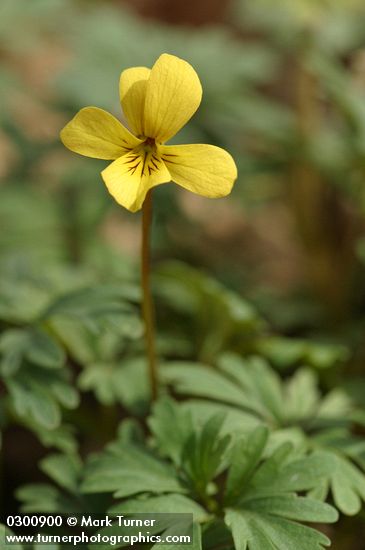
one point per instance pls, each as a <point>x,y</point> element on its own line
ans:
<point>173,95</point>
<point>95,133</point>
<point>203,169</point>
<point>130,177</point>
<point>132,90</point>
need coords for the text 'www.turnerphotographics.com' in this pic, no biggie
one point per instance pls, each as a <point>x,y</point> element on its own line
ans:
<point>109,529</point>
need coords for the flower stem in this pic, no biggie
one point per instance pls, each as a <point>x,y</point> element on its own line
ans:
<point>147,302</point>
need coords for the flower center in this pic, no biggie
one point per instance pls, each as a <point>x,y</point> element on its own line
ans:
<point>144,158</point>
<point>149,145</point>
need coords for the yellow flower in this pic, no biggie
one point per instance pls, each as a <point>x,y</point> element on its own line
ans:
<point>157,103</point>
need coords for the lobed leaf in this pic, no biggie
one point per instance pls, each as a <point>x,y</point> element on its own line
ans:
<point>167,413</point>
<point>253,530</point>
<point>127,471</point>
<point>344,480</point>
<point>245,457</point>
<point>64,469</point>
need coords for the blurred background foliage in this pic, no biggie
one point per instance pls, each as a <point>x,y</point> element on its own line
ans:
<point>284,92</point>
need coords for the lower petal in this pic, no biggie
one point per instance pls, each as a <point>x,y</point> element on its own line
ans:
<point>203,169</point>
<point>130,177</point>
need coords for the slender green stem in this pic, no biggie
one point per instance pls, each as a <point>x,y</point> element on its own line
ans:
<point>147,302</point>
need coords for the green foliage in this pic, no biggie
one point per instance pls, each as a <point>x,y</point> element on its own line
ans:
<point>201,300</point>
<point>261,530</point>
<point>283,352</point>
<point>35,346</point>
<point>33,358</point>
<point>203,472</point>
<point>213,319</point>
<point>345,481</point>
<point>294,409</point>
<point>51,319</point>
<point>253,386</point>
<point>222,475</point>
<point>128,471</point>
<point>63,495</point>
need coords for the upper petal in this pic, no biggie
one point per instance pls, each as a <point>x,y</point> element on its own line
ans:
<point>130,177</point>
<point>96,133</point>
<point>203,169</point>
<point>173,95</point>
<point>132,91</point>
